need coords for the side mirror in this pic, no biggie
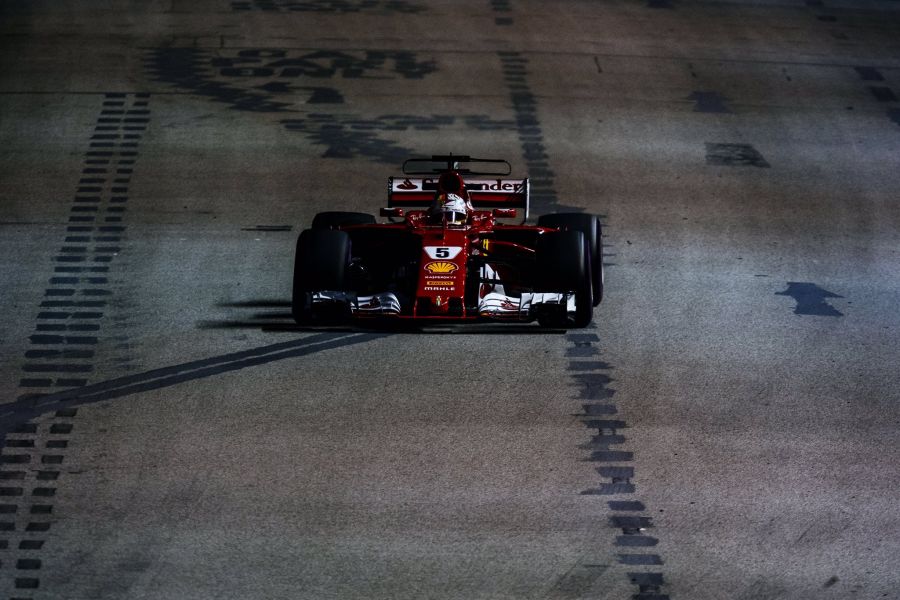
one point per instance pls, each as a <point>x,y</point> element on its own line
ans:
<point>504,213</point>
<point>392,212</point>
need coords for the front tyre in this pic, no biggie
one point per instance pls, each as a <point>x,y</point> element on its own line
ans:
<point>564,266</point>
<point>589,225</point>
<point>320,264</point>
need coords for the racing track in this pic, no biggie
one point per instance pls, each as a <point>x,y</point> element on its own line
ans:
<point>727,428</point>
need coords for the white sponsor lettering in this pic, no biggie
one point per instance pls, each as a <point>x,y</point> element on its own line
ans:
<point>502,186</point>
<point>516,186</point>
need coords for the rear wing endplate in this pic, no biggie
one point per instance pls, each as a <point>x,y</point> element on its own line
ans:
<point>485,194</point>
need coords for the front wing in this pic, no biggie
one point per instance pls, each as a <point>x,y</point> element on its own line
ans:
<point>492,306</point>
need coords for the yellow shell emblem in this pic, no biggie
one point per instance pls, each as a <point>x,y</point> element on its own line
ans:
<point>441,266</point>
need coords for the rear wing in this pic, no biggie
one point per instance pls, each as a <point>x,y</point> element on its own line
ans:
<point>485,194</point>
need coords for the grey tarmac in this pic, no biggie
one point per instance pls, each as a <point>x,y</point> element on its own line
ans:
<point>726,428</point>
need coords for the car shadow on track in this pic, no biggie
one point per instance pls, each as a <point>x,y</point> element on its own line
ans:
<point>31,406</point>
<point>275,320</point>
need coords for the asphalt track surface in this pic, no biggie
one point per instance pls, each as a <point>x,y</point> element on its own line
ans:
<point>727,428</point>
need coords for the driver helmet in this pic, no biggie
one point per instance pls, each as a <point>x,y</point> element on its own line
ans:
<point>453,207</point>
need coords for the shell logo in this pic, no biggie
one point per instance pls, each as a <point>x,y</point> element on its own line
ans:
<point>441,266</point>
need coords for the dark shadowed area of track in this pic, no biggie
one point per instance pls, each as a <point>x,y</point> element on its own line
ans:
<point>727,427</point>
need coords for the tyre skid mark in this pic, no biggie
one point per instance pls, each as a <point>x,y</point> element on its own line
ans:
<point>868,73</point>
<point>531,137</point>
<point>30,407</point>
<point>502,7</point>
<point>588,372</point>
<point>24,423</point>
<point>77,299</point>
<point>636,548</point>
<point>383,7</point>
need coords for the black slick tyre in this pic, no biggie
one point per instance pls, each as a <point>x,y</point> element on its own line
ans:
<point>564,266</point>
<point>320,264</point>
<point>589,225</point>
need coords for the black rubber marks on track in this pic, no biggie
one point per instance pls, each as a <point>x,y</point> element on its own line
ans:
<point>120,387</point>
<point>869,73</point>
<point>31,463</point>
<point>725,154</point>
<point>709,102</point>
<point>289,83</point>
<point>33,454</point>
<point>531,136</point>
<point>266,80</point>
<point>502,7</point>
<point>329,6</point>
<point>734,155</point>
<point>67,332</point>
<point>881,93</point>
<point>636,546</point>
<point>287,65</point>
<point>346,136</point>
<point>825,16</point>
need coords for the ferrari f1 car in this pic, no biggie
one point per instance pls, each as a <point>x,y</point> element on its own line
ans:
<point>445,254</point>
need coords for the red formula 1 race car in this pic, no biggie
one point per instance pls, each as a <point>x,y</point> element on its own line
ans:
<point>444,255</point>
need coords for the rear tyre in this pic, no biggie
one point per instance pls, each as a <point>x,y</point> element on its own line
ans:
<point>564,266</point>
<point>589,225</point>
<point>320,264</point>
<point>334,219</point>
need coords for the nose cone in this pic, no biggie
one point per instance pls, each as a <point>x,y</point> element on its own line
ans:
<point>439,305</point>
